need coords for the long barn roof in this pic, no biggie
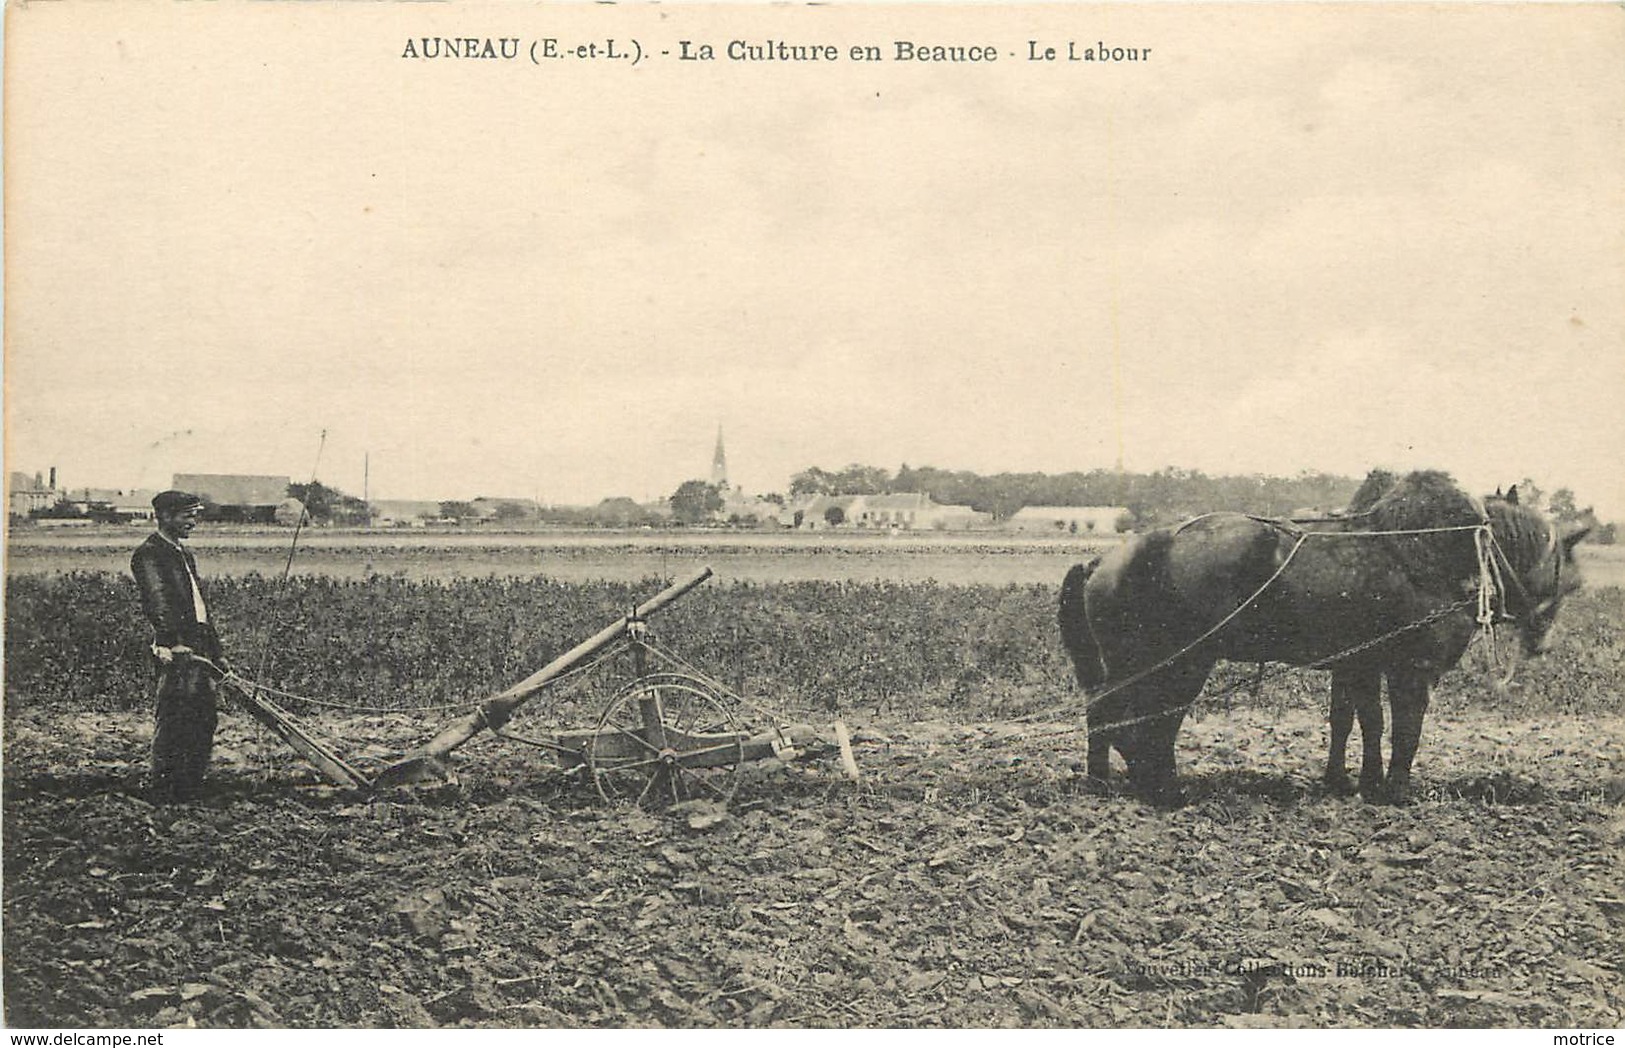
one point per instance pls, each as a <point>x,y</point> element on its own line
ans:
<point>234,489</point>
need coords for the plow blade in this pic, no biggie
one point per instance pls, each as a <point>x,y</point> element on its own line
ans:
<point>426,763</point>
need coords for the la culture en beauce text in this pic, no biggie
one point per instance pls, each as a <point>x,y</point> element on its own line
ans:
<point>511,48</point>
<point>902,51</point>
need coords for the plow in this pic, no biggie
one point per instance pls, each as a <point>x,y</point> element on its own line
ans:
<point>667,736</point>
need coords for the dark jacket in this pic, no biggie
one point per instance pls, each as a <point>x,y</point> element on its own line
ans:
<point>163,573</point>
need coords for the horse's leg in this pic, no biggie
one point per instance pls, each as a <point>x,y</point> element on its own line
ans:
<point>1159,777</point>
<point>1100,758</point>
<point>1103,716</point>
<point>1368,707</point>
<point>1337,776</point>
<point>1356,690</point>
<point>1132,743</point>
<point>1114,723</point>
<point>1408,695</point>
<point>1156,777</point>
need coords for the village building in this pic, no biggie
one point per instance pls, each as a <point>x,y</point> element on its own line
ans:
<point>907,511</point>
<point>38,494</point>
<point>890,511</point>
<point>740,507</point>
<point>818,512</point>
<point>914,511</point>
<point>1071,520</point>
<point>236,498</point>
<point>26,494</point>
<point>113,505</point>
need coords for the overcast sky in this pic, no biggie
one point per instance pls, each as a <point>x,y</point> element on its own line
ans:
<point>1295,238</point>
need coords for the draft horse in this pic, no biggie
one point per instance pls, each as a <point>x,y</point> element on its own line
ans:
<point>1393,588</point>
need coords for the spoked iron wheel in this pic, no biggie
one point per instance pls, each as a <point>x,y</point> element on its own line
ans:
<point>663,739</point>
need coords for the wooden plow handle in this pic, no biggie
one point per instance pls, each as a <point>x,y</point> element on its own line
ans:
<point>495,711</point>
<point>283,724</point>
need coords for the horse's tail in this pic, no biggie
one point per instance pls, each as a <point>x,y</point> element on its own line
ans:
<point>1076,634</point>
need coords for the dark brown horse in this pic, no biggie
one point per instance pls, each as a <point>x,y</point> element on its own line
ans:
<point>1390,590</point>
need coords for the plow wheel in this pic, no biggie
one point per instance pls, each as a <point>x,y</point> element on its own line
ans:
<point>663,739</point>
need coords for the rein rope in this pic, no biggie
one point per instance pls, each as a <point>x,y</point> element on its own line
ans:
<point>266,689</point>
<point>349,707</point>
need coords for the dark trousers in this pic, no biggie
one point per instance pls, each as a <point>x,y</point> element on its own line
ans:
<point>184,734</point>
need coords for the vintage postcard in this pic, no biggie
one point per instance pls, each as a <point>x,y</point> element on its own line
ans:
<point>822,515</point>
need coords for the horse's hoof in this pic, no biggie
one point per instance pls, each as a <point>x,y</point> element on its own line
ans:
<point>1094,786</point>
<point>1395,794</point>
<point>1373,793</point>
<point>1338,782</point>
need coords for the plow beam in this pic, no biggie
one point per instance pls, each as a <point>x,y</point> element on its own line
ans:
<point>425,762</point>
<point>709,750</point>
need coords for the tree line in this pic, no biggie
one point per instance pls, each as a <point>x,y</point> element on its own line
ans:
<point>1165,496</point>
<point>1150,498</point>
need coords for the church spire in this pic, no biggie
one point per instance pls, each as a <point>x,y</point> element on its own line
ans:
<point>719,462</point>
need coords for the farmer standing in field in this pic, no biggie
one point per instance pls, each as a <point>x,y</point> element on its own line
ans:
<point>173,599</point>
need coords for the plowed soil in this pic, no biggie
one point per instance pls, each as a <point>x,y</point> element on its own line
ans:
<point>969,880</point>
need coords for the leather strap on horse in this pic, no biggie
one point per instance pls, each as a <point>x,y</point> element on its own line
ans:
<point>1490,584</point>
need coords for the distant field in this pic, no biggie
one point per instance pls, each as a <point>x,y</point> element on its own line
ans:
<point>1602,565</point>
<point>621,556</point>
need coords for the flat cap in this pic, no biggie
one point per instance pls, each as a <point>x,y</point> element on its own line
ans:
<point>175,501</point>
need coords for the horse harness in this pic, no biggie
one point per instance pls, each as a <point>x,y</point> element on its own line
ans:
<point>1501,559</point>
<point>1495,568</point>
<point>1491,582</point>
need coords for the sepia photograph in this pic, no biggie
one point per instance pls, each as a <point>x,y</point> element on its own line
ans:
<point>818,517</point>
